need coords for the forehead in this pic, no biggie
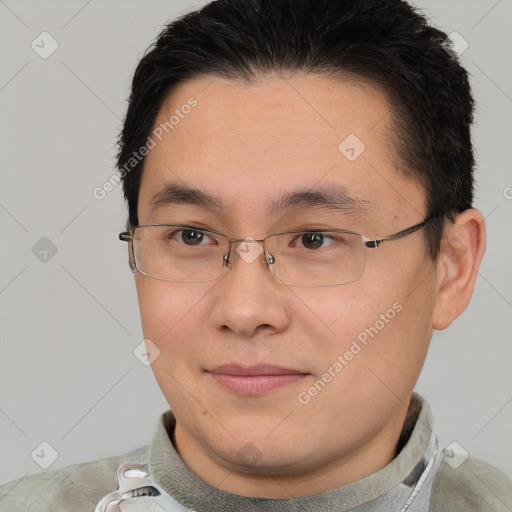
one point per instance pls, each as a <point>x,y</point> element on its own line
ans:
<point>248,143</point>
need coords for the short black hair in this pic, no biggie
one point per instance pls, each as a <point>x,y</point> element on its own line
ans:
<point>386,42</point>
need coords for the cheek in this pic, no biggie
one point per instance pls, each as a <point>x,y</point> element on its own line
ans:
<point>169,310</point>
<point>336,316</point>
<point>381,328</point>
<point>156,306</point>
<point>173,318</point>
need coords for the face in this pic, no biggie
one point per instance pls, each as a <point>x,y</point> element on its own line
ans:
<point>347,356</point>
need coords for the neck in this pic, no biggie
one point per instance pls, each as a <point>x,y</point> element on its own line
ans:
<point>278,483</point>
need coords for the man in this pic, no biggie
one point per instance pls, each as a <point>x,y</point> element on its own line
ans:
<point>299,183</point>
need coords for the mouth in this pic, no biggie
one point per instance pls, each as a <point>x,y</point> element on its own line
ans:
<point>255,380</point>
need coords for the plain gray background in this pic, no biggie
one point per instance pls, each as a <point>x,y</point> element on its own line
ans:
<point>69,325</point>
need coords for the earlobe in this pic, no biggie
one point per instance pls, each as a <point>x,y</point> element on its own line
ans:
<point>462,250</point>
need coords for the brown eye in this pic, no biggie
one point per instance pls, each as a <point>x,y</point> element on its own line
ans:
<point>312,240</point>
<point>192,236</point>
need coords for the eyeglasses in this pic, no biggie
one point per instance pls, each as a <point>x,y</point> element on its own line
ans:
<point>315,258</point>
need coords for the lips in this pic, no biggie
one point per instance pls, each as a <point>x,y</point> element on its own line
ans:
<point>255,380</point>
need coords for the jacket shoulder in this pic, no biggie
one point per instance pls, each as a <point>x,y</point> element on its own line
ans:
<point>78,487</point>
<point>473,486</point>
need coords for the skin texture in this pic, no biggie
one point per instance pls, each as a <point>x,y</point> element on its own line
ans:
<point>246,145</point>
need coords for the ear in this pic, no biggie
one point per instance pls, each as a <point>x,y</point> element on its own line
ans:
<point>131,261</point>
<point>462,250</point>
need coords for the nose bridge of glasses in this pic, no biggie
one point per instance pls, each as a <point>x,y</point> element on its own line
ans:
<point>249,249</point>
<point>246,239</point>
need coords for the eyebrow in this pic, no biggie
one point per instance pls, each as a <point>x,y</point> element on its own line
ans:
<point>327,197</point>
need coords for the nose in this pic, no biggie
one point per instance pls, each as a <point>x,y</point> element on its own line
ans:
<point>249,299</point>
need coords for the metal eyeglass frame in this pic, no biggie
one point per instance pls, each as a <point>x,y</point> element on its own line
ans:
<point>369,243</point>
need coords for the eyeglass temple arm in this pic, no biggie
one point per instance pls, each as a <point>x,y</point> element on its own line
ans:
<point>400,234</point>
<point>125,236</point>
